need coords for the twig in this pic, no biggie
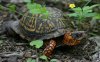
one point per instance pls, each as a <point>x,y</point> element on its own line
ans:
<point>12,54</point>
<point>18,54</point>
<point>17,44</point>
<point>37,59</point>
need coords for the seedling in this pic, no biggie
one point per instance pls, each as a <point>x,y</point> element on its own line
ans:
<point>36,43</point>
<point>37,9</point>
<point>82,13</point>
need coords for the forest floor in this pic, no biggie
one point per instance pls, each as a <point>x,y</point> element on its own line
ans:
<point>16,49</point>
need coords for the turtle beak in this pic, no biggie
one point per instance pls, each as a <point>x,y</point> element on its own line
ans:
<point>78,35</point>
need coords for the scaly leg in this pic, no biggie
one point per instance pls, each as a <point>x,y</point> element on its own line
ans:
<point>49,48</point>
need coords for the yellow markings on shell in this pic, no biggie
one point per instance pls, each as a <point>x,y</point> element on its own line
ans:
<point>31,23</point>
<point>44,27</point>
<point>51,25</point>
<point>47,28</point>
<point>61,23</point>
<point>33,28</point>
<point>26,23</point>
<point>41,31</point>
<point>22,21</point>
<point>39,28</point>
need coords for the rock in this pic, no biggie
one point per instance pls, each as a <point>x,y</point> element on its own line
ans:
<point>0,59</point>
<point>96,56</point>
<point>13,1</point>
<point>97,40</point>
<point>12,59</point>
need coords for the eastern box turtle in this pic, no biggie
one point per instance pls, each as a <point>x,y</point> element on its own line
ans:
<point>32,27</point>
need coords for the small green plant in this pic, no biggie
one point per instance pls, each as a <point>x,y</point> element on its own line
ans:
<point>12,8</point>
<point>53,60</point>
<point>30,60</point>
<point>97,16</point>
<point>43,57</point>
<point>33,8</point>
<point>27,1</point>
<point>36,43</point>
<point>82,13</point>
<point>37,9</point>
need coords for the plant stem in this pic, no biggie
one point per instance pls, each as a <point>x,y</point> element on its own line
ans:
<point>87,3</point>
<point>37,59</point>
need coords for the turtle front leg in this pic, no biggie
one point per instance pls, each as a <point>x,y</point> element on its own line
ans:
<point>49,48</point>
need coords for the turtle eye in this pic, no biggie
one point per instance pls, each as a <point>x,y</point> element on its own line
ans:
<point>76,35</point>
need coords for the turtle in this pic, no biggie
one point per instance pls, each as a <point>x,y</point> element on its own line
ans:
<point>33,27</point>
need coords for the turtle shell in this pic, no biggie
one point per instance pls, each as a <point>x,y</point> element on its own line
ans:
<point>36,27</point>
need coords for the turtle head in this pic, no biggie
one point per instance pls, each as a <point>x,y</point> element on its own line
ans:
<point>78,35</point>
<point>74,38</point>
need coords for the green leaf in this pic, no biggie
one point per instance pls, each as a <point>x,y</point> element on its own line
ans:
<point>86,9</point>
<point>43,10</point>
<point>97,16</point>
<point>73,15</point>
<point>35,8</point>
<point>30,60</point>
<point>89,14</point>
<point>91,7</point>
<point>28,1</point>
<point>35,11</point>
<point>78,9</point>
<point>33,60</point>
<point>29,6</point>
<point>53,60</point>
<point>43,57</point>
<point>46,13</point>
<point>12,8</point>
<point>36,43</point>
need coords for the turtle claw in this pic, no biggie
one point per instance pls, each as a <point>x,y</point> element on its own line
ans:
<point>49,49</point>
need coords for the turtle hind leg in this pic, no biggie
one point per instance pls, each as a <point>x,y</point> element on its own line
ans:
<point>49,48</point>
